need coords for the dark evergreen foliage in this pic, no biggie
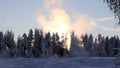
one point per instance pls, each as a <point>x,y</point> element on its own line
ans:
<point>39,44</point>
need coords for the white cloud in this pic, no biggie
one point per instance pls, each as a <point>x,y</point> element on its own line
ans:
<point>105,19</point>
<point>105,28</point>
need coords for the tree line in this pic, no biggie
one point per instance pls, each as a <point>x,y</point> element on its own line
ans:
<point>102,46</point>
<point>35,44</point>
<point>39,44</point>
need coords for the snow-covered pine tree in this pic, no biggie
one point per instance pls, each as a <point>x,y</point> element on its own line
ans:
<point>99,45</point>
<point>103,47</point>
<point>3,52</point>
<point>90,44</point>
<point>53,45</point>
<point>77,49</point>
<point>37,49</point>
<point>41,37</point>
<point>64,45</point>
<point>43,46</point>
<point>10,43</point>
<point>107,46</point>
<point>112,45</point>
<point>94,52</point>
<point>60,49</point>
<point>24,45</point>
<point>85,42</point>
<point>1,40</point>
<point>19,47</point>
<point>116,52</point>
<point>48,45</point>
<point>30,43</point>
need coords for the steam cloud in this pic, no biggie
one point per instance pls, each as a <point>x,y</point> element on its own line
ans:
<point>60,21</point>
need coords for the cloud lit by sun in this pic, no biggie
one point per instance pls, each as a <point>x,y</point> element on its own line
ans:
<point>60,21</point>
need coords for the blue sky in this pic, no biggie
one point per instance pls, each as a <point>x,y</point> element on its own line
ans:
<point>20,15</point>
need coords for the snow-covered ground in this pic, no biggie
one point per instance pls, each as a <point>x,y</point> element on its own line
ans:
<point>79,62</point>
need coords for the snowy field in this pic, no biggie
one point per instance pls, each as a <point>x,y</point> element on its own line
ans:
<point>58,63</point>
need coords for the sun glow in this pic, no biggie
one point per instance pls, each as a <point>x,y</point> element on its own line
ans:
<point>59,21</point>
<point>68,41</point>
<point>61,28</point>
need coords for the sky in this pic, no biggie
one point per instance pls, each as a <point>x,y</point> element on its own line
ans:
<point>82,16</point>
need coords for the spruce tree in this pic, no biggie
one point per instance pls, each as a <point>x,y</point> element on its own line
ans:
<point>10,43</point>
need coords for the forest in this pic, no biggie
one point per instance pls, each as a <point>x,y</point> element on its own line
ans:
<point>37,44</point>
